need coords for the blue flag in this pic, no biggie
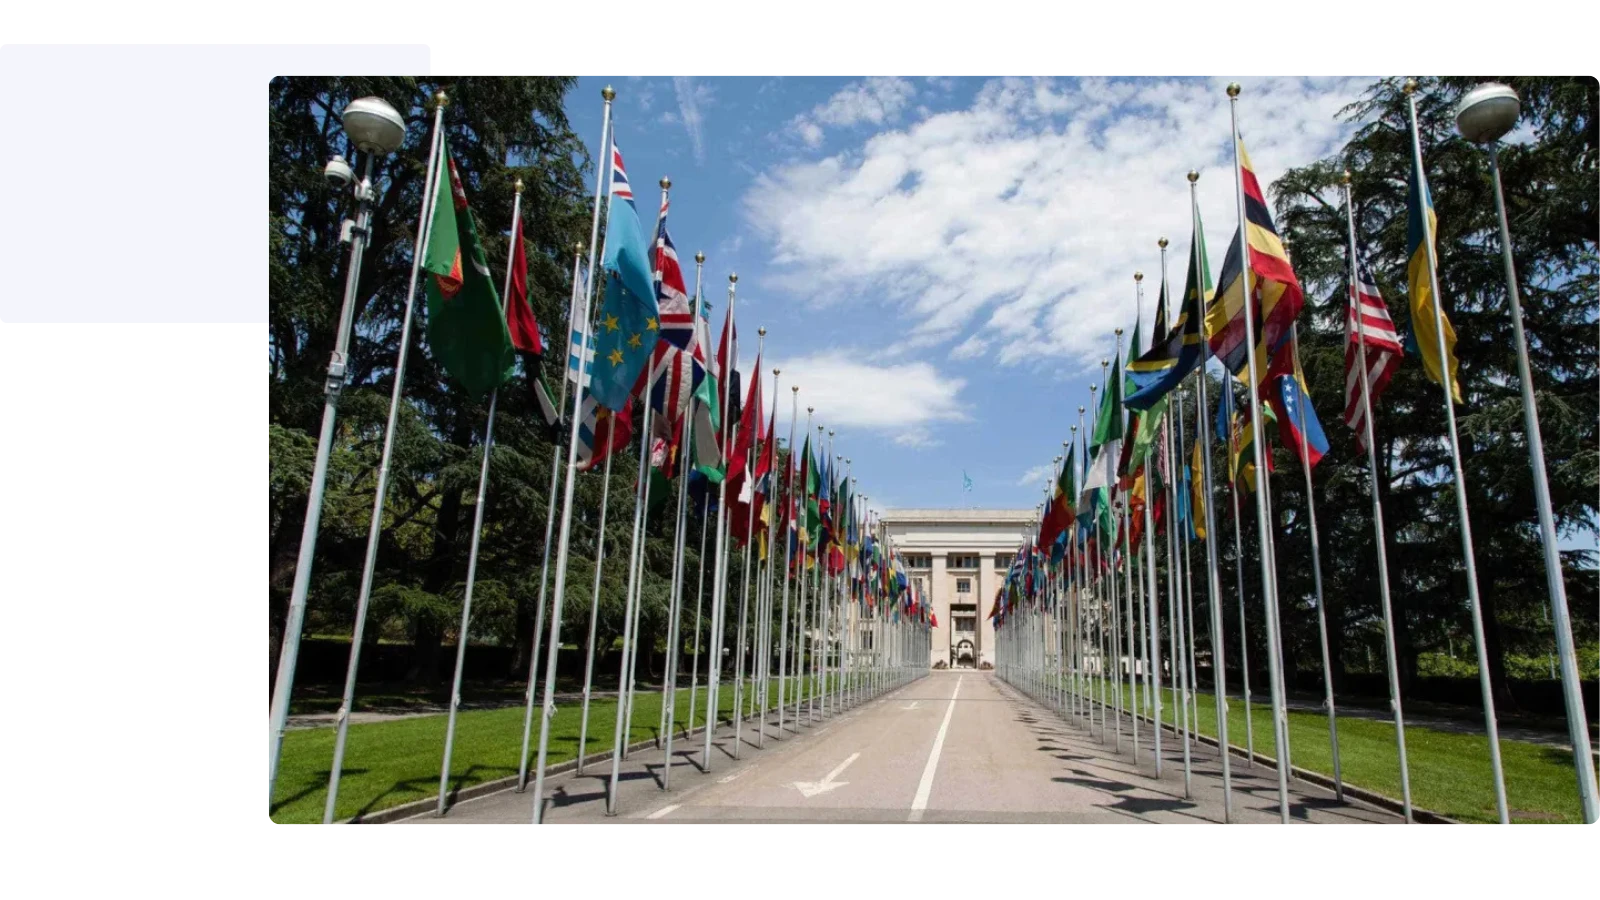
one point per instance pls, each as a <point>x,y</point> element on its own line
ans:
<point>627,326</point>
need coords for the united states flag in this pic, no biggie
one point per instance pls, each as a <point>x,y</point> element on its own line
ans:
<point>672,298</point>
<point>1367,320</point>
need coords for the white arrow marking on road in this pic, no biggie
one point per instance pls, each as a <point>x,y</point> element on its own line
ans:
<point>913,705</point>
<point>809,789</point>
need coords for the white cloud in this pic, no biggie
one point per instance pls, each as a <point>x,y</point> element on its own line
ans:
<point>1037,475</point>
<point>874,100</point>
<point>1015,225</point>
<point>853,394</point>
<point>690,98</point>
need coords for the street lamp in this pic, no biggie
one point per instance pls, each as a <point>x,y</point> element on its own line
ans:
<point>376,130</point>
<point>1484,115</point>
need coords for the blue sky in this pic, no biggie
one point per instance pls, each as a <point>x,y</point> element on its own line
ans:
<point>940,263</point>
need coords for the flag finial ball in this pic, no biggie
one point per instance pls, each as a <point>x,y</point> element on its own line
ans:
<point>1162,243</point>
<point>1119,332</point>
<point>733,277</point>
<point>1138,276</point>
<point>666,183</point>
<point>1080,410</point>
<point>795,388</point>
<point>517,185</point>
<point>776,372</point>
<point>608,93</point>
<point>700,257</point>
<point>1075,428</point>
<point>1104,362</point>
<point>1233,89</point>
<point>1346,178</point>
<point>441,99</point>
<point>809,409</point>
<point>577,248</point>
<point>1193,176</point>
<point>762,331</point>
<point>1410,87</point>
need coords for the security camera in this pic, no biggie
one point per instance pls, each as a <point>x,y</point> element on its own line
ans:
<point>338,173</point>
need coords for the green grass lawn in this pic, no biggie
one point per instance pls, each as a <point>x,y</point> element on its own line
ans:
<point>390,763</point>
<point>1450,772</point>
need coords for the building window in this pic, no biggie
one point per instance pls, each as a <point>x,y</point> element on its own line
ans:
<point>1003,560</point>
<point>963,561</point>
<point>963,585</point>
<point>918,561</point>
<point>964,623</point>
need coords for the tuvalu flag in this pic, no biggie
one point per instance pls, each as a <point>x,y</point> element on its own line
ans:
<point>467,330</point>
<point>626,328</point>
<point>1275,294</point>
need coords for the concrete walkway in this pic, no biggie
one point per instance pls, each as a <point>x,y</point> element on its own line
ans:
<point>956,746</point>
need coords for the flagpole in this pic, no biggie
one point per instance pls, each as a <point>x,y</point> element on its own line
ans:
<point>744,579</point>
<point>705,510</point>
<point>431,184</point>
<point>569,483</point>
<point>1180,667</point>
<point>1238,569</point>
<point>788,549</point>
<point>1138,317</point>
<point>628,688</point>
<point>549,529</point>
<point>1377,509</point>
<point>801,670</point>
<point>1080,563</point>
<point>814,672</point>
<point>1316,568</point>
<point>641,496</point>
<point>1153,617</point>
<point>1269,589</point>
<point>1446,378</point>
<point>1484,107</point>
<point>477,529</point>
<point>1202,421</point>
<point>772,556</point>
<point>333,388</point>
<point>719,580</point>
<point>594,596</point>
<point>1116,540</point>
<point>669,688</point>
<point>1192,688</point>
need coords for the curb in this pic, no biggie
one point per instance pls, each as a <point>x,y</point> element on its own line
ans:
<point>1382,801</point>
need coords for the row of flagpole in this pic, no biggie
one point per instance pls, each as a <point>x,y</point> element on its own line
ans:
<point>860,644</point>
<point>1059,602</point>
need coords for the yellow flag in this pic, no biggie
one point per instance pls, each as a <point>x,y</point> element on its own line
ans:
<point>1197,491</point>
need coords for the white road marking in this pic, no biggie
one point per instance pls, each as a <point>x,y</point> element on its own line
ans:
<point>913,705</point>
<point>665,810</point>
<point>925,787</point>
<point>809,789</point>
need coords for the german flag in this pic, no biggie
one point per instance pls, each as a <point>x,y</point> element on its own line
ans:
<point>1275,295</point>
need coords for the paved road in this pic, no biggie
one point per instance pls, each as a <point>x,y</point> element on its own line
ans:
<point>951,747</point>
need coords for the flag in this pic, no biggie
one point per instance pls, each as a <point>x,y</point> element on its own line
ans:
<point>1057,515</point>
<point>1422,225</point>
<point>601,432</point>
<point>740,486</point>
<point>626,327</point>
<point>1108,419</point>
<point>466,325</point>
<point>1242,433</point>
<point>1177,352</point>
<point>672,297</point>
<point>581,348</point>
<point>1126,466</point>
<point>966,483</point>
<point>1292,402</point>
<point>526,339</point>
<point>1275,295</point>
<point>1198,492</point>
<point>707,411</point>
<point>620,189</point>
<point>1367,321</point>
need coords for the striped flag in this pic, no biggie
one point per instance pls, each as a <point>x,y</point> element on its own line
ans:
<point>620,189</point>
<point>672,298</point>
<point>1367,320</point>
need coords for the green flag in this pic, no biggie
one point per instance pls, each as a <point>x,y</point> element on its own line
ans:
<point>1108,421</point>
<point>467,330</point>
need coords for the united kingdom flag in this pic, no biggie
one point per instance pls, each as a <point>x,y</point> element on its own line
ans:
<point>672,298</point>
<point>620,189</point>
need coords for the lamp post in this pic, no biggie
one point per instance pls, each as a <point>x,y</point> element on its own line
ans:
<point>376,130</point>
<point>1485,114</point>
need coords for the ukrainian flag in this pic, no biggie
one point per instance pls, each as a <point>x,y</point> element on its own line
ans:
<point>1422,225</point>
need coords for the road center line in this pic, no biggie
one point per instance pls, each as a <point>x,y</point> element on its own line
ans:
<point>925,787</point>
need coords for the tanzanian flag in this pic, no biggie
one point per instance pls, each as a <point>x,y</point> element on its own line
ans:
<point>1422,226</point>
<point>1176,353</point>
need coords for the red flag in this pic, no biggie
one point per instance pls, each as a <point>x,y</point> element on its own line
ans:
<point>519,315</point>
